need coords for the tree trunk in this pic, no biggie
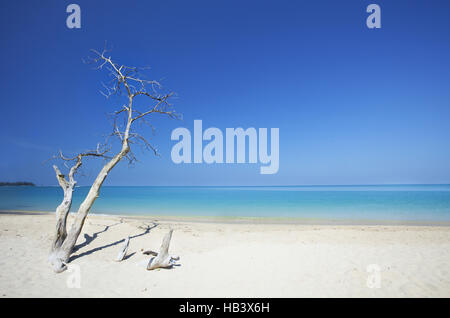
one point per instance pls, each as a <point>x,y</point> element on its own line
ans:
<point>61,255</point>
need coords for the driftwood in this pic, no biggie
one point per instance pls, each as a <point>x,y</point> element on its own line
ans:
<point>163,259</point>
<point>123,250</point>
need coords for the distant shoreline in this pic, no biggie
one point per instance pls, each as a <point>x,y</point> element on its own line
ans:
<point>248,220</point>
<point>18,183</point>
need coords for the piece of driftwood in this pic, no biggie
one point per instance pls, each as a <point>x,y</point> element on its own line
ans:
<point>163,259</point>
<point>123,250</point>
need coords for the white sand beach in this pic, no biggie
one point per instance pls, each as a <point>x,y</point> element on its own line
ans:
<point>228,260</point>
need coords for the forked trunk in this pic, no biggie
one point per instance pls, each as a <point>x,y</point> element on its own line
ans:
<point>60,256</point>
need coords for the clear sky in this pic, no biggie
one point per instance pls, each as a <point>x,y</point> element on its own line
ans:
<point>353,105</point>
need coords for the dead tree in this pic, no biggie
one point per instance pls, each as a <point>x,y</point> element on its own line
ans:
<point>129,83</point>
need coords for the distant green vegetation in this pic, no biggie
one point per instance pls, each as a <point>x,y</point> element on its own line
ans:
<point>20,183</point>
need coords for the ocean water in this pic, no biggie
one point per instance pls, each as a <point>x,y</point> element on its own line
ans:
<point>386,202</point>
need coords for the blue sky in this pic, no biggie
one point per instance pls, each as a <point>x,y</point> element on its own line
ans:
<point>353,105</point>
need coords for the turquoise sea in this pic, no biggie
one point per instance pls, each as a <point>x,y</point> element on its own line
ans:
<point>380,202</point>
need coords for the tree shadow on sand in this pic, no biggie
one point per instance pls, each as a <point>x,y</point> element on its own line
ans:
<point>89,239</point>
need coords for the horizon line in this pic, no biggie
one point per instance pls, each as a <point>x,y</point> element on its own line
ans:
<point>298,185</point>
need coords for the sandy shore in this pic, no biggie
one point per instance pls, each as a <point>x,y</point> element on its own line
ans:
<point>228,260</point>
